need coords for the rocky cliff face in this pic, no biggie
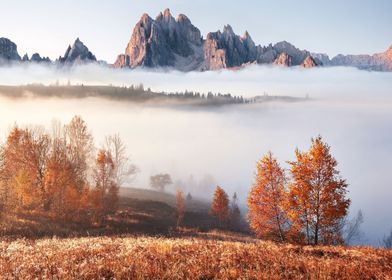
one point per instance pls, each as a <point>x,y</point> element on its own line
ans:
<point>226,49</point>
<point>78,53</point>
<point>8,51</point>
<point>163,42</point>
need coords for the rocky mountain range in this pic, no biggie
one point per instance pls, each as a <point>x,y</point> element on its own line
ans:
<point>175,43</point>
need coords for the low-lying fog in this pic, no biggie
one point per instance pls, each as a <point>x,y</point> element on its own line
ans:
<point>351,109</point>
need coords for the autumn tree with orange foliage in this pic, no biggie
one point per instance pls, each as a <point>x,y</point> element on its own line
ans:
<point>23,161</point>
<point>180,207</point>
<point>317,195</point>
<point>220,206</point>
<point>66,177</point>
<point>80,150</point>
<point>64,198</point>
<point>106,199</point>
<point>266,201</point>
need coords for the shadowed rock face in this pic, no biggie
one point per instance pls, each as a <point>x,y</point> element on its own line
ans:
<point>8,51</point>
<point>77,54</point>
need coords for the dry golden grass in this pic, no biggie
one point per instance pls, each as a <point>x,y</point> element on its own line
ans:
<point>185,258</point>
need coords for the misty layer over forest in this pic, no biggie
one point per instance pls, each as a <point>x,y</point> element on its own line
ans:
<point>351,109</point>
<point>137,94</point>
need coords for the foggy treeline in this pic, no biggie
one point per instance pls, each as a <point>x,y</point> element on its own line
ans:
<point>132,93</point>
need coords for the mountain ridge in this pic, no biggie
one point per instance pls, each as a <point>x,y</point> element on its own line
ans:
<point>175,43</point>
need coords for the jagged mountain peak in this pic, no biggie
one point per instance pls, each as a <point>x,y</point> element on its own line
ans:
<point>77,53</point>
<point>25,58</point>
<point>163,41</point>
<point>167,13</point>
<point>246,35</point>
<point>182,18</point>
<point>165,16</point>
<point>247,38</point>
<point>284,45</point>
<point>228,29</point>
<point>145,20</point>
<point>144,17</point>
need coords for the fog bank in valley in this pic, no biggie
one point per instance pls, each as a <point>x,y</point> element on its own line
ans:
<point>202,147</point>
<point>254,80</point>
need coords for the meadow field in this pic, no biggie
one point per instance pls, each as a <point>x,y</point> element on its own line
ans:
<point>198,257</point>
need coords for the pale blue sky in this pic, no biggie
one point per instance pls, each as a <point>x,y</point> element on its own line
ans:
<point>332,27</point>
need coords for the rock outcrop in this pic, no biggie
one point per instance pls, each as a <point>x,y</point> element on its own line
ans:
<point>78,53</point>
<point>283,59</point>
<point>309,62</point>
<point>8,51</point>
